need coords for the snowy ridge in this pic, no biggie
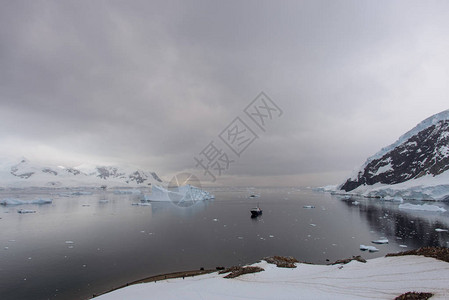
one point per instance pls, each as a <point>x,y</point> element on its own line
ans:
<point>25,173</point>
<point>416,166</point>
<point>433,120</point>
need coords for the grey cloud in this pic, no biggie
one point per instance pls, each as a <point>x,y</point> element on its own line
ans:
<point>152,83</point>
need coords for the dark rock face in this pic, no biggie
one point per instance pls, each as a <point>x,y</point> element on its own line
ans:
<point>49,171</point>
<point>427,152</point>
<point>156,177</point>
<point>109,172</point>
<point>139,177</point>
<point>72,171</point>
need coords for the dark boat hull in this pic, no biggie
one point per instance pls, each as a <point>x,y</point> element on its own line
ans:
<point>255,213</point>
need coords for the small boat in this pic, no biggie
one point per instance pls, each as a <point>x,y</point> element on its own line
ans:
<point>255,212</point>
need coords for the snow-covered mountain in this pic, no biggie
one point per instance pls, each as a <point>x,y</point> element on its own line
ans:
<point>416,166</point>
<point>24,173</point>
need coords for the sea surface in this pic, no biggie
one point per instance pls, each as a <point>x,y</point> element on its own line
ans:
<point>86,243</point>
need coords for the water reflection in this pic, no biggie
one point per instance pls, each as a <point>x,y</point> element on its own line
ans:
<point>412,228</point>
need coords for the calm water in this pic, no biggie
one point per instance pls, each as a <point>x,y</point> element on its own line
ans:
<point>78,246</point>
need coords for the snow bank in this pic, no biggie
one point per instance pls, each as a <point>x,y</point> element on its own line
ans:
<point>429,187</point>
<point>380,278</point>
<point>424,207</point>
<point>14,201</point>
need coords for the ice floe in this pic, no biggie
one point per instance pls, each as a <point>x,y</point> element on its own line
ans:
<point>423,207</point>
<point>369,248</point>
<point>26,211</point>
<point>15,201</point>
<point>383,241</point>
<point>127,192</point>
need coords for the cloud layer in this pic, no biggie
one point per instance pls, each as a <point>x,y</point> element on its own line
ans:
<point>151,83</point>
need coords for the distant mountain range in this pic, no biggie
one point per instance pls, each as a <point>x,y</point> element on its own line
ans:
<point>416,166</point>
<point>25,173</point>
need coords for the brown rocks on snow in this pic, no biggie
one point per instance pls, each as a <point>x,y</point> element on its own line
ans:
<point>238,270</point>
<point>281,261</point>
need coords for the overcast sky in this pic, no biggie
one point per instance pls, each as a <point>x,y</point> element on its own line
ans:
<point>152,83</point>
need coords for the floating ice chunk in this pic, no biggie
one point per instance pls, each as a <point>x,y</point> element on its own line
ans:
<point>69,242</point>
<point>65,194</point>
<point>313,225</point>
<point>271,236</point>
<point>441,230</point>
<point>14,201</point>
<point>403,246</point>
<point>384,241</point>
<point>141,204</point>
<point>26,211</point>
<point>80,193</point>
<point>127,192</point>
<point>423,207</point>
<point>369,248</point>
<point>355,202</point>
<point>215,220</point>
<point>308,206</point>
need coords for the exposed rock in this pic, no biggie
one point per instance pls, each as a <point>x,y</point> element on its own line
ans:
<point>281,261</point>
<point>238,270</point>
<point>348,260</point>
<point>440,253</point>
<point>414,296</point>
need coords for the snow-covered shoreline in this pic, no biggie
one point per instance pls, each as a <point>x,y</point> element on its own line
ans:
<point>379,278</point>
<point>426,188</point>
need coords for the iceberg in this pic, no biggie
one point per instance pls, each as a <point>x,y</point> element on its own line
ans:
<point>185,193</point>
<point>423,207</point>
<point>14,201</point>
